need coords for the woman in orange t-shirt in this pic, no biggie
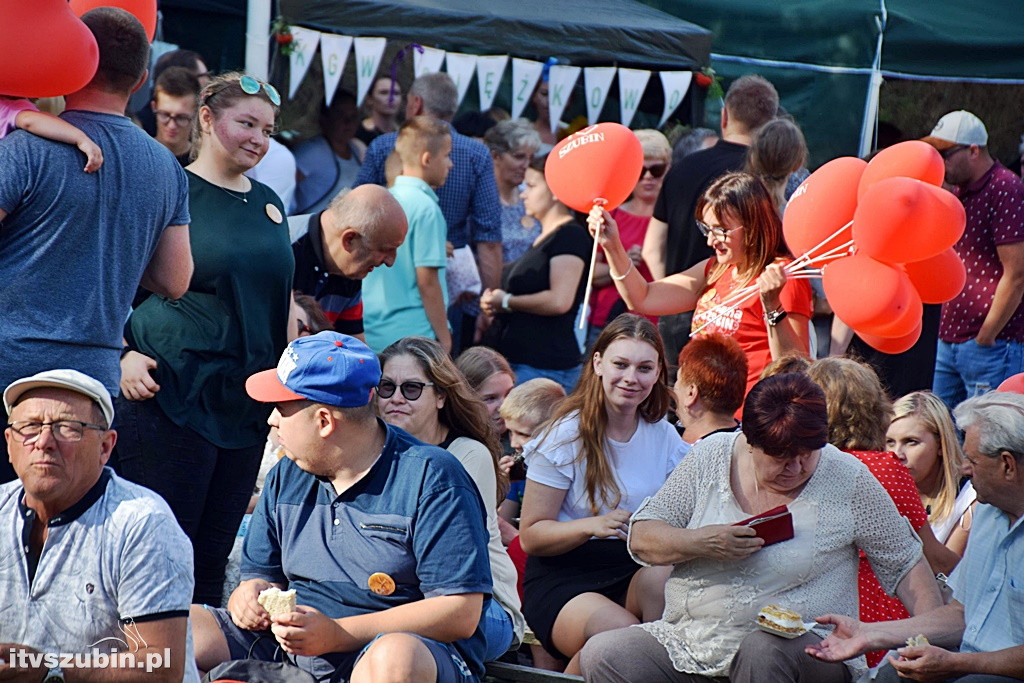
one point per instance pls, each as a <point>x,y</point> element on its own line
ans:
<point>739,220</point>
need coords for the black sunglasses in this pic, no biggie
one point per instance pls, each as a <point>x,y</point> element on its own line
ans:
<point>656,170</point>
<point>411,390</point>
<point>950,151</point>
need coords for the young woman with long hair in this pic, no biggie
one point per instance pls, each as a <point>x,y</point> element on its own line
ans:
<point>605,449</point>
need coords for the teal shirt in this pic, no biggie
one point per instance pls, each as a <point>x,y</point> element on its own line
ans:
<point>392,306</point>
<point>230,324</point>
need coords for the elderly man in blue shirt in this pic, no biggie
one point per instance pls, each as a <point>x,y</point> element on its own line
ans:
<point>984,618</point>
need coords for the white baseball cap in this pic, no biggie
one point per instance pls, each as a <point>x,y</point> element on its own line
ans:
<point>957,128</point>
<point>62,379</point>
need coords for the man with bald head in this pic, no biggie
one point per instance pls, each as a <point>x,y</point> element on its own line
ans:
<point>359,231</point>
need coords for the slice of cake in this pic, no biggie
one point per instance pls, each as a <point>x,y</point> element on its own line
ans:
<point>781,619</point>
<point>277,601</point>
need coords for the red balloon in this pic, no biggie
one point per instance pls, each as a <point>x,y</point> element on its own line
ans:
<point>902,323</point>
<point>823,204</point>
<point>1013,384</point>
<point>901,220</point>
<point>910,159</point>
<point>892,344</point>
<point>599,162</point>
<point>144,10</point>
<point>868,295</point>
<point>939,278</point>
<point>47,50</point>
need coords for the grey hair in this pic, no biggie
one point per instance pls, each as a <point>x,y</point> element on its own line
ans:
<point>999,419</point>
<point>366,217</point>
<point>508,137</point>
<point>439,95</point>
<point>690,142</point>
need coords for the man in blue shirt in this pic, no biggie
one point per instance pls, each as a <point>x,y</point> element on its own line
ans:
<point>468,198</point>
<point>984,617</point>
<point>381,536</point>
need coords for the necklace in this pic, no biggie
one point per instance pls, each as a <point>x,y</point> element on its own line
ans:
<point>244,195</point>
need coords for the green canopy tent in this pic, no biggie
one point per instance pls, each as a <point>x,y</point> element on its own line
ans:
<point>623,33</point>
<point>828,58</point>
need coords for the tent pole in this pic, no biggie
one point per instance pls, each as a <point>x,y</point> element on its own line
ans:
<point>870,122</point>
<point>257,39</point>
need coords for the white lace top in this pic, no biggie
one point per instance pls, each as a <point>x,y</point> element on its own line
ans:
<point>711,605</point>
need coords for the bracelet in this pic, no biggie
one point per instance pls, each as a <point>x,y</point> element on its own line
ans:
<point>504,302</point>
<point>622,277</point>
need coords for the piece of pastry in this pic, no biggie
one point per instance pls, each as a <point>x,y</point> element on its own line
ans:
<point>277,601</point>
<point>780,619</point>
<point>917,641</point>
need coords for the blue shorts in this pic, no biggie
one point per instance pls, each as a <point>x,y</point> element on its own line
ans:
<point>334,667</point>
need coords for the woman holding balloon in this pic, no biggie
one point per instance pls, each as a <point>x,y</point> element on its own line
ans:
<point>542,291</point>
<point>739,220</point>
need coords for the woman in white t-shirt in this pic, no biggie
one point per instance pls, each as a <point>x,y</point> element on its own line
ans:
<point>922,436</point>
<point>606,449</point>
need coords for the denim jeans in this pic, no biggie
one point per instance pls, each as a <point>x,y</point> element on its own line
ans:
<point>208,488</point>
<point>567,378</point>
<point>498,632</point>
<point>966,369</point>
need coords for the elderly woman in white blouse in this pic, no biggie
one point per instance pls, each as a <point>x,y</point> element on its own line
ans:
<point>724,574</point>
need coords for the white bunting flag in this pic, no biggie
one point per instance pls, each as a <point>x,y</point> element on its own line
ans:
<point>525,74</point>
<point>675,84</point>
<point>427,63</point>
<point>333,53</point>
<point>305,41</point>
<point>460,67</point>
<point>489,71</point>
<point>561,80</point>
<point>631,88</point>
<point>597,81</point>
<point>368,55</point>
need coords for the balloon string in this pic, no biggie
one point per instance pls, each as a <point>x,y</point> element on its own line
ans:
<point>800,260</point>
<point>737,298</point>
<point>600,201</point>
<point>831,254</point>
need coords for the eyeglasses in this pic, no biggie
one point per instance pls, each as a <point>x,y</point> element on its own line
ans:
<point>62,430</point>
<point>411,390</point>
<point>251,86</point>
<point>304,329</point>
<point>181,120</point>
<point>948,153</point>
<point>718,232</point>
<point>656,170</point>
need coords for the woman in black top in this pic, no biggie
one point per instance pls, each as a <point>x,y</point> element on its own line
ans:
<point>541,292</point>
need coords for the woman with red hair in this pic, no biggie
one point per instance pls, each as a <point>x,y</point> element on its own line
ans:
<point>710,384</point>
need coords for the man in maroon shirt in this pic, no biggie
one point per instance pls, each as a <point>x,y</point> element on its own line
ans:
<point>981,331</point>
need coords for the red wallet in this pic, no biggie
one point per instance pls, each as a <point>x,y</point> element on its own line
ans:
<point>773,526</point>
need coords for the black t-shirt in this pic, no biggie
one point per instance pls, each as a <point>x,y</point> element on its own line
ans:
<point>678,199</point>
<point>339,296</point>
<point>544,341</point>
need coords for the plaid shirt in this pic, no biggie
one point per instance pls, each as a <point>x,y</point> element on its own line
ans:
<point>469,198</point>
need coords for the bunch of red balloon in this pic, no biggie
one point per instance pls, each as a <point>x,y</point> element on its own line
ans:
<point>885,232</point>
<point>48,50</point>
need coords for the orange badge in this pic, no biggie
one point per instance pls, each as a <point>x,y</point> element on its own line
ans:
<point>381,584</point>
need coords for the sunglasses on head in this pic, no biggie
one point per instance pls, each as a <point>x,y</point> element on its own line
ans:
<point>411,390</point>
<point>251,86</point>
<point>656,170</point>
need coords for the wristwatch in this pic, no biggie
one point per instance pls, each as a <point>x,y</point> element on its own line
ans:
<point>773,318</point>
<point>54,675</point>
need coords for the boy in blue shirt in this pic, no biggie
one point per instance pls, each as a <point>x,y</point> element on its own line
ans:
<point>410,297</point>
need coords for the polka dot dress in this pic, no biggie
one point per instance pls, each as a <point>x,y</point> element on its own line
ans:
<point>875,605</point>
<point>995,216</point>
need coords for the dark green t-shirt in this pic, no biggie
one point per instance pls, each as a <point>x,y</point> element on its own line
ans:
<point>232,321</point>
